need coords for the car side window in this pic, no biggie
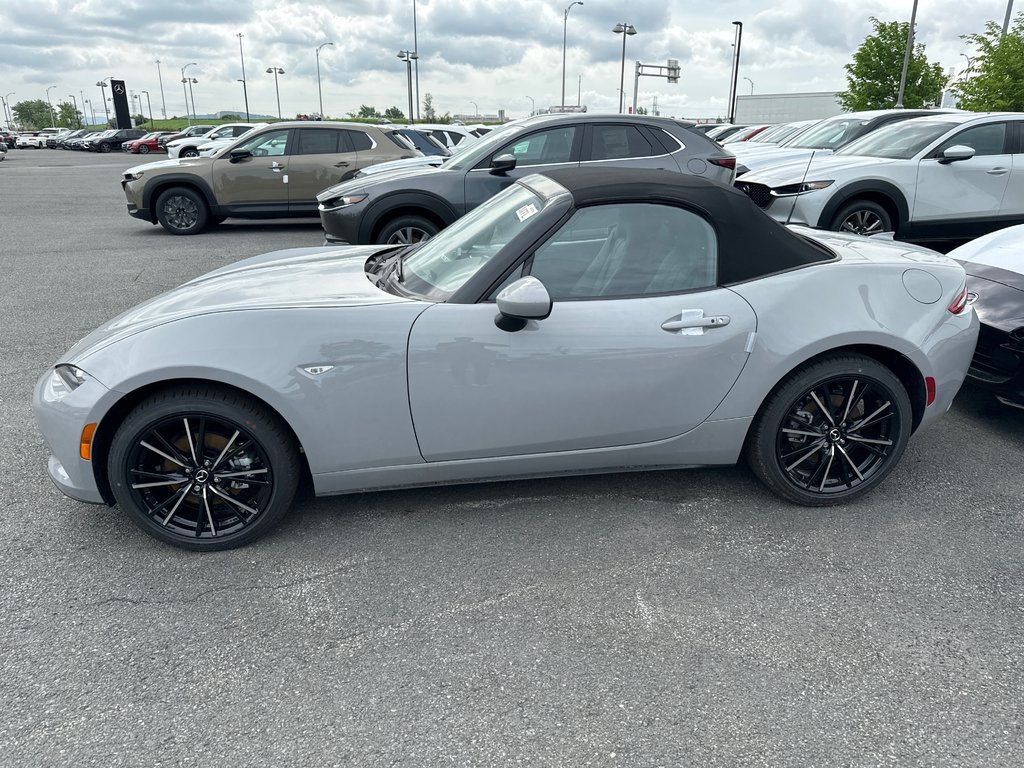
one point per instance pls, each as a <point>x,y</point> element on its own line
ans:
<point>317,142</point>
<point>989,139</point>
<point>551,146</point>
<point>360,141</point>
<point>628,249</point>
<point>614,142</point>
<point>272,144</point>
<point>223,133</point>
<point>240,130</point>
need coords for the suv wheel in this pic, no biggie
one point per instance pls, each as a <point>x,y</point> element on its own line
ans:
<point>862,217</point>
<point>406,230</point>
<point>182,211</point>
<point>189,152</point>
<point>104,147</point>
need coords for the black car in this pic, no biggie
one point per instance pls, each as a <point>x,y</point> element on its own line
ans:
<point>111,140</point>
<point>61,142</point>
<point>411,204</point>
<point>192,130</point>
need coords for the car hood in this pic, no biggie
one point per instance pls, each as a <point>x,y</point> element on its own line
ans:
<point>429,161</point>
<point>818,169</point>
<point>367,182</point>
<point>299,277</point>
<point>778,156</point>
<point>180,162</point>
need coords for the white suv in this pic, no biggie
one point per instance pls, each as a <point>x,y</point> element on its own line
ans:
<point>949,176</point>
<point>190,146</point>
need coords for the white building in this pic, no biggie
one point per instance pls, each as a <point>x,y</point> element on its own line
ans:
<point>786,107</point>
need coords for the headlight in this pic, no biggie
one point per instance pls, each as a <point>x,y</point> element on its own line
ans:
<point>803,186</point>
<point>345,200</point>
<point>65,379</point>
<point>135,176</point>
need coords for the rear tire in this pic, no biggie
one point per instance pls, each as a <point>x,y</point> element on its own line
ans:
<point>104,147</point>
<point>406,230</point>
<point>862,217</point>
<point>143,149</point>
<point>182,211</point>
<point>203,468</point>
<point>830,431</point>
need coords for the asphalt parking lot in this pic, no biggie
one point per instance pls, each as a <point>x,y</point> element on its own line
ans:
<point>664,619</point>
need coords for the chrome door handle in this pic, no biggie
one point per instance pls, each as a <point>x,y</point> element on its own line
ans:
<point>276,166</point>
<point>696,322</point>
<point>997,171</point>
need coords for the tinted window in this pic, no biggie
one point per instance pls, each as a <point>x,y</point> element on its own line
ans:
<point>628,249</point>
<point>985,139</point>
<point>240,130</point>
<point>611,142</point>
<point>360,141</point>
<point>317,142</point>
<point>551,146</point>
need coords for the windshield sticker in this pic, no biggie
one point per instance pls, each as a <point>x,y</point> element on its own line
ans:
<point>526,211</point>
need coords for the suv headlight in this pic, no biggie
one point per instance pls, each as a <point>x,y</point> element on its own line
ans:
<point>134,176</point>
<point>345,200</point>
<point>803,186</point>
<point>65,379</point>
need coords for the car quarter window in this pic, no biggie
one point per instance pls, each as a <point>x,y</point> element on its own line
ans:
<point>988,139</point>
<point>319,141</point>
<point>359,141</point>
<point>542,148</point>
<point>627,249</point>
<point>613,142</point>
<point>240,130</point>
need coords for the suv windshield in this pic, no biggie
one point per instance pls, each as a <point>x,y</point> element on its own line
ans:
<point>444,263</point>
<point>484,147</point>
<point>899,141</point>
<point>828,134</point>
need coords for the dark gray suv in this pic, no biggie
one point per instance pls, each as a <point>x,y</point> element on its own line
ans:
<point>407,205</point>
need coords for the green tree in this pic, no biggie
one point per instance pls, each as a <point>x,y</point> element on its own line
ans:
<point>641,110</point>
<point>428,107</point>
<point>394,113</point>
<point>67,115</point>
<point>365,112</point>
<point>33,114</point>
<point>995,80</point>
<point>873,77</point>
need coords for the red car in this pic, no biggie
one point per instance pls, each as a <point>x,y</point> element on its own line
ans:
<point>146,144</point>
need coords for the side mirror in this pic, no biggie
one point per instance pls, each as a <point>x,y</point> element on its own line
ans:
<point>526,299</point>
<point>503,163</point>
<point>237,155</point>
<point>956,152</point>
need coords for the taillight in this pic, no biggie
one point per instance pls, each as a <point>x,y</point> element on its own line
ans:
<point>724,162</point>
<point>959,303</point>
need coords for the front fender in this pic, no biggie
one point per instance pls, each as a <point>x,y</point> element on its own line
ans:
<point>158,183</point>
<point>386,205</point>
<point>860,189</point>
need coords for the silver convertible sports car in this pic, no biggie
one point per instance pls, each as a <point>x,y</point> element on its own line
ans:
<point>582,321</point>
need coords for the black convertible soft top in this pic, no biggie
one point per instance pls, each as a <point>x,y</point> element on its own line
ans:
<point>751,244</point>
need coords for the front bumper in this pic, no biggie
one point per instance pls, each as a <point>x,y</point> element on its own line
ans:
<point>134,199</point>
<point>341,225</point>
<point>61,421</point>
<point>998,365</point>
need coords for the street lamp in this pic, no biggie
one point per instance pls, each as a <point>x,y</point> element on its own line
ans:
<point>150,105</point>
<point>163,101</point>
<point>92,111</point>
<point>476,109</point>
<point>751,85</point>
<point>245,91</point>
<point>735,70</point>
<point>409,57</point>
<point>623,29</point>
<point>103,93</point>
<point>276,71</point>
<point>906,57</point>
<point>74,101</point>
<point>565,24</point>
<point>320,93</point>
<point>185,92</point>
<point>8,110</point>
<point>53,121</point>
<point>533,105</point>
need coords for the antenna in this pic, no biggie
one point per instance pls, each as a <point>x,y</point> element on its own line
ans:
<point>802,180</point>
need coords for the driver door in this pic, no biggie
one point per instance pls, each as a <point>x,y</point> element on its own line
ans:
<point>258,182</point>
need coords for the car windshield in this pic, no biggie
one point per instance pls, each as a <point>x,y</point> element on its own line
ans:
<point>828,134</point>
<point>484,147</point>
<point>899,141</point>
<point>443,264</point>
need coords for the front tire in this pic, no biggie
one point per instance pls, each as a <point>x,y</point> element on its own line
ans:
<point>203,468</point>
<point>182,211</point>
<point>862,217</point>
<point>104,147</point>
<point>406,230</point>
<point>189,152</point>
<point>143,149</point>
<point>831,431</point>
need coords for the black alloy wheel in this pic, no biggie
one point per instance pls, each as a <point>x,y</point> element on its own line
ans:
<point>182,211</point>
<point>203,469</point>
<point>831,431</point>
<point>863,217</point>
<point>406,230</point>
<point>104,147</point>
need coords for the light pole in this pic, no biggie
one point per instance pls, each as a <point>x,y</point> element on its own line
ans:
<point>735,70</point>
<point>320,92</point>
<point>150,105</point>
<point>245,90</point>
<point>533,105</point>
<point>53,120</point>
<point>1009,13</point>
<point>8,110</point>
<point>623,29</point>
<point>163,102</point>
<point>185,91</point>
<point>906,57</point>
<point>751,85</point>
<point>103,93</point>
<point>565,25</point>
<point>74,101</point>
<point>92,112</point>
<point>276,71</point>
<point>476,109</point>
<point>82,95</point>
<point>415,47</point>
<point>409,57</point>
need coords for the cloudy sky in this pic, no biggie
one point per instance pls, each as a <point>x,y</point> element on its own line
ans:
<point>496,54</point>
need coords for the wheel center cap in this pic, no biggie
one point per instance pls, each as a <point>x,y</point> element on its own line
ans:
<point>834,435</point>
<point>201,476</point>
